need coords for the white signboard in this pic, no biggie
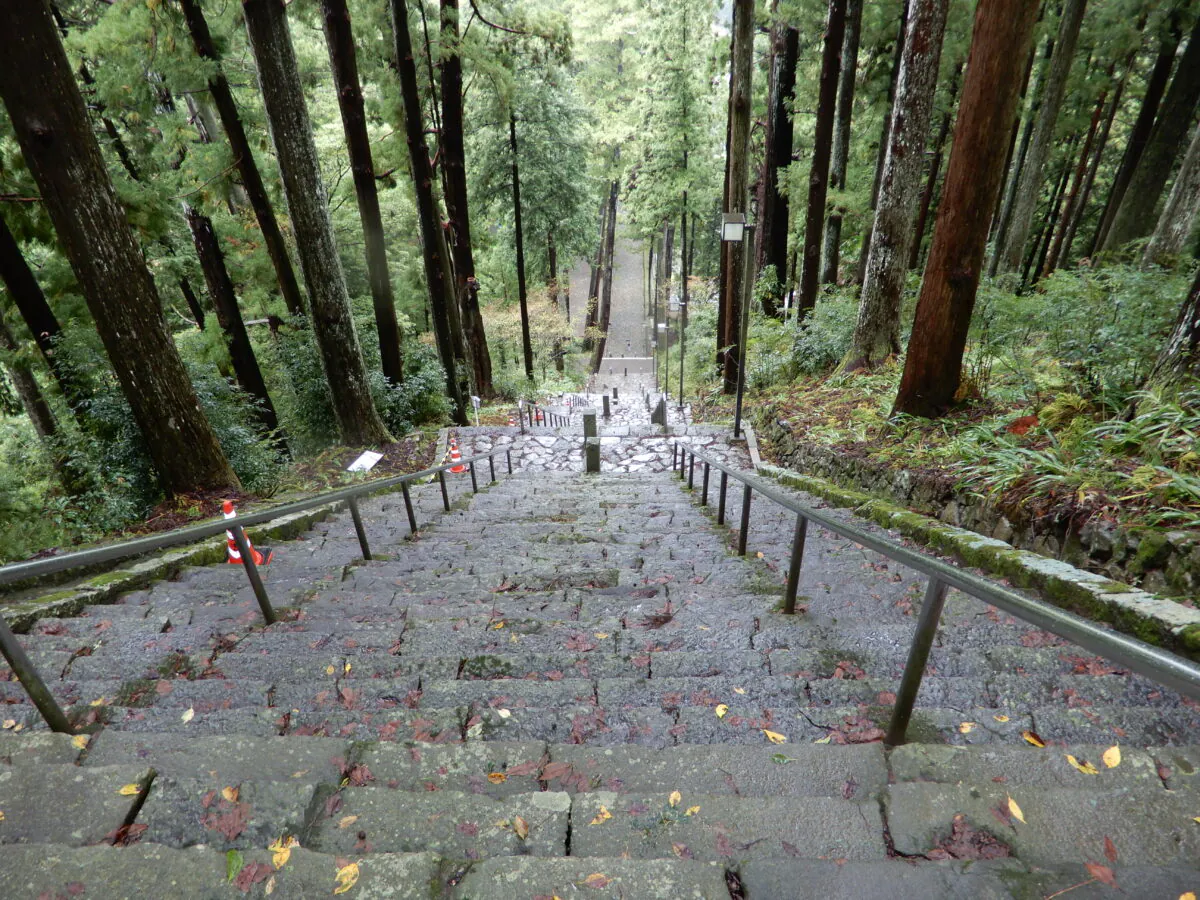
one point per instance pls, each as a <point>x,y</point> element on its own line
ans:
<point>365,462</point>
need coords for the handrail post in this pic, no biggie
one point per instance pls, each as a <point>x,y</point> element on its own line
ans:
<point>445,496</point>
<point>918,656</point>
<point>508,453</point>
<point>745,521</point>
<point>793,581</point>
<point>358,527</point>
<point>691,470</point>
<point>474,483</point>
<point>260,592</point>
<point>704,486</point>
<point>408,507</point>
<point>492,467</point>
<point>674,453</point>
<point>721,501</point>
<point>28,675</point>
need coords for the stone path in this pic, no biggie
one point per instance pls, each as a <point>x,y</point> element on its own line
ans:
<point>569,687</point>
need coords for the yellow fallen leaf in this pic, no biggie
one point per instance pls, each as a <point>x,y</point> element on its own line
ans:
<point>739,690</point>
<point>99,701</point>
<point>692,810</point>
<point>775,737</point>
<point>674,799</point>
<point>188,715</point>
<point>1112,756</point>
<point>281,850</point>
<point>825,740</point>
<point>1085,767</point>
<point>346,878</point>
<point>1196,819</point>
<point>230,794</point>
<point>721,710</point>
<point>9,723</point>
<point>1016,811</point>
<point>759,554</point>
<point>329,670</point>
<point>497,777</point>
<point>520,827</point>
<point>347,821</point>
<point>348,668</point>
<point>966,727</point>
<point>504,713</point>
<point>498,625</point>
<point>1189,895</point>
<point>79,741</point>
<point>129,790</point>
<point>269,887</point>
<point>601,817</point>
<point>1032,738</point>
<point>20,725</point>
<point>703,628</point>
<point>601,635</point>
<point>1,815</point>
<point>1000,718</point>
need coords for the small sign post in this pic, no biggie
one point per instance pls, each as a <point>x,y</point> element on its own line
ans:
<point>475,403</point>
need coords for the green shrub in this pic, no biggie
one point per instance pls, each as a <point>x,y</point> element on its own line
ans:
<point>823,338</point>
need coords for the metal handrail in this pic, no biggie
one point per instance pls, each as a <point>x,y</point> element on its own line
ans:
<point>27,673</point>
<point>1160,665</point>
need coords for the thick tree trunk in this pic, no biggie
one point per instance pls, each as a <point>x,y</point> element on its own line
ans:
<point>605,317</point>
<point>597,266</point>
<point>1000,41</point>
<point>229,316</point>
<point>1012,138</point>
<point>935,168</point>
<point>1179,362</point>
<point>1139,135</point>
<point>773,216</point>
<point>818,175</point>
<point>841,139</point>
<point>522,295</point>
<point>737,174</point>
<point>1178,217</point>
<point>231,121</point>
<point>291,134</point>
<point>50,123</point>
<point>441,293</point>
<point>454,173</point>
<point>1135,217</point>
<point>1093,167</point>
<point>344,64</point>
<point>1030,186</point>
<point>877,330</point>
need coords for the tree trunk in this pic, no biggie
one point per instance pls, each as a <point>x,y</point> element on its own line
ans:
<point>773,216</point>
<point>1179,362</point>
<point>668,258</point>
<point>841,139</point>
<point>1179,215</point>
<point>935,168</point>
<point>605,317</point>
<point>34,403</point>
<point>552,286</point>
<point>260,201</point>
<point>526,343</point>
<point>1012,139</point>
<point>1001,37</point>
<point>441,293</point>
<point>229,316</point>
<point>593,297</point>
<point>1040,247</point>
<point>818,176</point>
<point>344,65</point>
<point>50,123</point>
<point>1097,157</point>
<point>881,153</point>
<point>877,330</point>
<point>291,133</point>
<point>1135,217</point>
<point>454,173</point>
<point>1139,135</point>
<point>737,176</point>
<point>1031,181</point>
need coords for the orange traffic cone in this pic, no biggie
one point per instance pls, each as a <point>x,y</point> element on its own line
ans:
<point>456,457</point>
<point>512,422</point>
<point>231,547</point>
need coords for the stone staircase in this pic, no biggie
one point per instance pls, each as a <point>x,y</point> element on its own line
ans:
<point>569,687</point>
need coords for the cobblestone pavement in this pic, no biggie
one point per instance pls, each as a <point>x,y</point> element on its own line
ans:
<point>568,686</point>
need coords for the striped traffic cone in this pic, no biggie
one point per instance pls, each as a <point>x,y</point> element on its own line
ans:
<point>512,422</point>
<point>231,547</point>
<point>456,457</point>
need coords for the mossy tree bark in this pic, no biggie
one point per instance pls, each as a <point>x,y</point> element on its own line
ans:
<point>1178,218</point>
<point>1179,362</point>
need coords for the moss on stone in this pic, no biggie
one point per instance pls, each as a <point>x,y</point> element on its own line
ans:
<point>1153,549</point>
<point>1189,637</point>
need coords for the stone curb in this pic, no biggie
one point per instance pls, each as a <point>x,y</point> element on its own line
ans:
<point>1148,617</point>
<point>752,446</point>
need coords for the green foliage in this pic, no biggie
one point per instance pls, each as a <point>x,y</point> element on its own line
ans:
<point>823,337</point>
<point>305,406</point>
<point>420,399</point>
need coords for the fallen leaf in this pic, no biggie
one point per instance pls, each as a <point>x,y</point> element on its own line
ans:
<point>346,877</point>
<point>281,850</point>
<point>596,880</point>
<point>1189,895</point>
<point>1000,718</point>
<point>347,668</point>
<point>674,799</point>
<point>775,737</point>
<point>269,887</point>
<point>497,777</point>
<point>1032,738</point>
<point>780,759</point>
<point>1103,874</point>
<point>825,740</point>
<point>692,810</point>
<point>230,794</point>
<point>498,625</point>
<point>9,723</point>
<point>233,864</point>
<point>347,821</point>
<point>79,741</point>
<point>129,790</point>
<point>721,709</point>
<point>520,827</point>
<point>503,713</point>
<point>601,634</point>
<point>188,714</point>
<point>601,817</point>
<point>682,851</point>
<point>1085,767</point>
<point>966,727</point>
<point>759,554</point>
<point>1,815</point>
<point>1110,849</point>
<point>99,701</point>
<point>329,670</point>
<point>1112,756</point>
<point>739,690</point>
<point>1016,811</point>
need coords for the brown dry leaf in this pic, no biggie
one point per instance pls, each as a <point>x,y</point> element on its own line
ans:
<point>721,709</point>
<point>1103,874</point>
<point>966,727</point>
<point>1032,738</point>
<point>601,817</point>
<point>188,715</point>
<point>347,821</point>
<point>346,878</point>
<point>1016,811</point>
<point>682,850</point>
<point>79,741</point>
<point>1112,756</point>
<point>692,810</point>
<point>674,799</point>
<point>1085,767</point>
<point>596,880</point>
<point>230,794</point>
<point>497,777</point>
<point>520,827</point>
<point>775,737</point>
<point>1110,849</point>
<point>129,790</point>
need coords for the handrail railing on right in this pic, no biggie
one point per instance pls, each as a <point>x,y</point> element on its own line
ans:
<point>1160,665</point>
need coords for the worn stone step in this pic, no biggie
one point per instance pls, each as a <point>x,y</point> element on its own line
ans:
<point>64,804</point>
<point>520,878</point>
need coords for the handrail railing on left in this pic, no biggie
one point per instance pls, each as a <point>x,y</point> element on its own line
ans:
<point>32,681</point>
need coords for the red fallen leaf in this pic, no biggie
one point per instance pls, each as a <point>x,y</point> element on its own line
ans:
<point>230,822</point>
<point>1022,425</point>
<point>75,888</point>
<point>359,775</point>
<point>638,809</point>
<point>525,768</point>
<point>849,788</point>
<point>333,806</point>
<point>252,874</point>
<point>207,800</point>
<point>1110,849</point>
<point>885,698</point>
<point>1103,874</point>
<point>124,835</point>
<point>470,829</point>
<point>723,847</point>
<point>682,851</point>
<point>967,842</point>
<point>556,770</point>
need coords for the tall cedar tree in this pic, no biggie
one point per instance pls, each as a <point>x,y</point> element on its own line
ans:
<point>291,134</point>
<point>1135,217</point>
<point>831,255</point>
<point>877,330</point>
<point>441,290</point>
<point>519,234</point>
<point>344,64</point>
<point>1029,189</point>
<point>51,125</point>
<point>454,176</point>
<point>737,174</point>
<point>818,176</point>
<point>1175,225</point>
<point>935,168</point>
<point>239,144</point>
<point>605,315</point>
<point>20,373</point>
<point>1179,362</point>
<point>1001,38</point>
<point>774,210</point>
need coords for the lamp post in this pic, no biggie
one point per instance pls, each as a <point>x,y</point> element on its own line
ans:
<point>682,349</point>
<point>735,229</point>
<point>664,339</point>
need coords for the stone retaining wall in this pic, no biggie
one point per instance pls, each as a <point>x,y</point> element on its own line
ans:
<point>1164,562</point>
